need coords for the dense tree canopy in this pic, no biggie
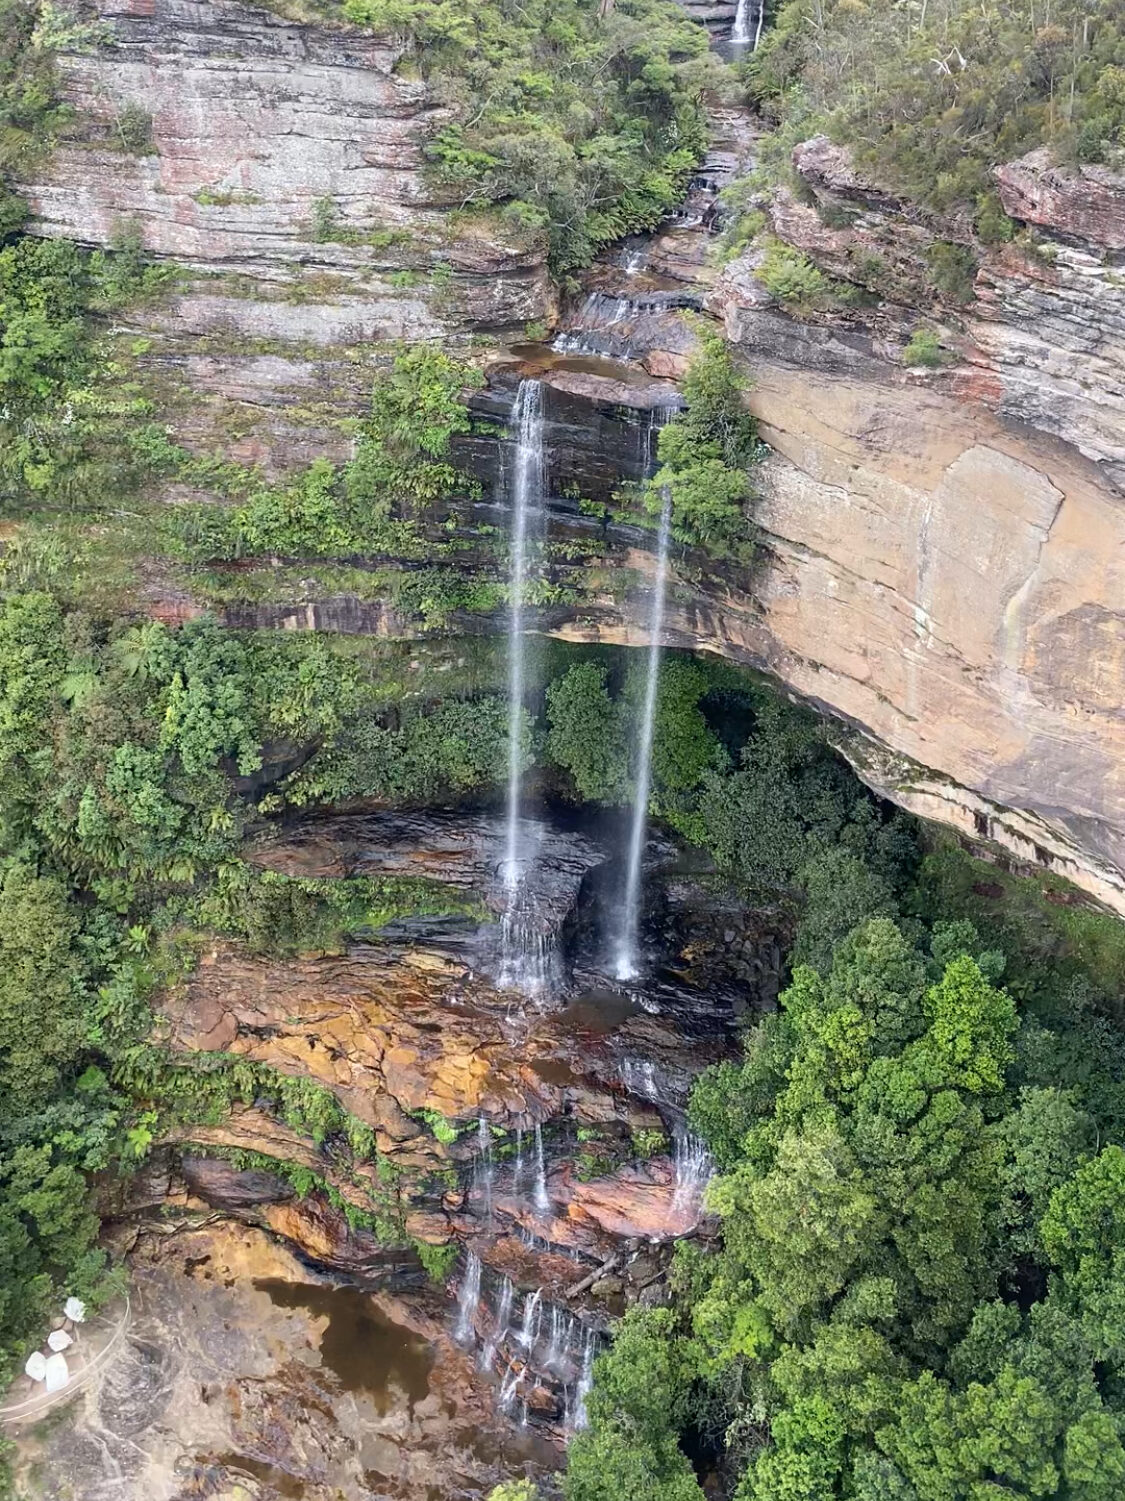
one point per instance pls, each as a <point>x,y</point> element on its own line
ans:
<point>918,1291</point>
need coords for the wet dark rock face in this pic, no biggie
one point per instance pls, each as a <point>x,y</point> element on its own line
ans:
<point>564,1171</point>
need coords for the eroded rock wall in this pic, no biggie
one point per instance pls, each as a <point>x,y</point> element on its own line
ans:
<point>943,566</point>
<point>284,171</point>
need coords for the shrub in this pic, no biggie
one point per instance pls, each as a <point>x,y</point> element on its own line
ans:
<point>133,130</point>
<point>953,269</point>
<point>924,349</point>
<point>791,277</point>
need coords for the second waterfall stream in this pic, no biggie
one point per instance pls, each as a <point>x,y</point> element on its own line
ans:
<point>627,958</point>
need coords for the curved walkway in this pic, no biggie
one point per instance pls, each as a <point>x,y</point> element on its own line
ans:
<point>99,1341</point>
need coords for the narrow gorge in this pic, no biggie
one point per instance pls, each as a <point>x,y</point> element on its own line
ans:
<point>562,761</point>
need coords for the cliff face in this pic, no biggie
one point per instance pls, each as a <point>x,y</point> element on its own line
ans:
<point>945,549</point>
<point>283,169</point>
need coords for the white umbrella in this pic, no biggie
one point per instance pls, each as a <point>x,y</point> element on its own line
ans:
<point>57,1373</point>
<point>59,1339</point>
<point>36,1366</point>
<point>75,1310</point>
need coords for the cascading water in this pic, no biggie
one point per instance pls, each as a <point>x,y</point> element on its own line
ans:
<point>529,1329</point>
<point>541,1197</point>
<point>526,951</point>
<point>693,1171</point>
<point>500,1327</point>
<point>468,1299</point>
<point>483,1171</point>
<point>741,33</point>
<point>517,1164</point>
<point>576,1416</point>
<point>626,961</point>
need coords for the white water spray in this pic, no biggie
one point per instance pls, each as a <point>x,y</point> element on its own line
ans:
<point>526,952</point>
<point>527,497</point>
<point>577,1417</point>
<point>741,33</point>
<point>500,1328</point>
<point>483,1171</point>
<point>529,1330</point>
<point>468,1299</point>
<point>627,963</point>
<point>694,1169</point>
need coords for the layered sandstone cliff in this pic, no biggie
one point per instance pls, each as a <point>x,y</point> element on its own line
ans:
<point>944,559</point>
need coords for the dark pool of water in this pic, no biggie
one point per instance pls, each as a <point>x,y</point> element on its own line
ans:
<point>599,1012</point>
<point>367,1351</point>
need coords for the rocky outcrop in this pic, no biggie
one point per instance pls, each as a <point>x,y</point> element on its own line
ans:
<point>280,163</point>
<point>1085,203</point>
<point>245,1376</point>
<point>945,548</point>
<point>235,140</point>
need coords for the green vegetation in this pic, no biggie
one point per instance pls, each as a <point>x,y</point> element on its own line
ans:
<point>577,122</point>
<point>932,97</point>
<point>924,349</point>
<point>401,469</point>
<point>750,779</point>
<point>706,452</point>
<point>921,1220</point>
<point>792,278</point>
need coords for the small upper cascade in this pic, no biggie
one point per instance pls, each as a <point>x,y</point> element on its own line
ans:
<point>626,963</point>
<point>740,35</point>
<point>524,962</point>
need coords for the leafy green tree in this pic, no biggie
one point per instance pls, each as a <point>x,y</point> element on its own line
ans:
<point>41,999</point>
<point>640,1389</point>
<point>587,736</point>
<point>1083,1234</point>
<point>706,452</point>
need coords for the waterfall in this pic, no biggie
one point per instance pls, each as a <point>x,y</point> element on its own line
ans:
<point>468,1299</point>
<point>525,949</point>
<point>576,1417</point>
<point>517,1167</point>
<point>693,1171</point>
<point>626,965</point>
<point>741,32</point>
<point>529,1330</point>
<point>482,1167</point>
<point>510,1385</point>
<point>542,1198</point>
<point>527,496</point>
<point>560,1331</point>
<point>639,1077</point>
<point>500,1328</point>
